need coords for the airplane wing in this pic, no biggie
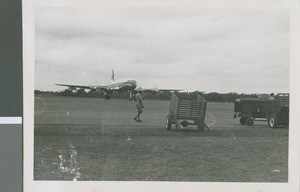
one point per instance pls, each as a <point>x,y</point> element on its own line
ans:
<point>171,90</point>
<point>83,86</point>
<point>162,90</point>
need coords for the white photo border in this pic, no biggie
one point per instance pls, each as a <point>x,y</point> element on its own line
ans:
<point>30,185</point>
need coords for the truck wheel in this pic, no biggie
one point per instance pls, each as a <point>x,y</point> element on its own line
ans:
<point>249,121</point>
<point>243,120</point>
<point>168,122</point>
<point>273,121</point>
<point>200,126</point>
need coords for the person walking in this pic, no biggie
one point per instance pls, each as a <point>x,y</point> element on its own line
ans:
<point>139,104</point>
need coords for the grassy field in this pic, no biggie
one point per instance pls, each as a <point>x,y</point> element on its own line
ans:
<point>93,139</point>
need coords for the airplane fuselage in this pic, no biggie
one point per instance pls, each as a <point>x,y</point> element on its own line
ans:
<point>127,85</point>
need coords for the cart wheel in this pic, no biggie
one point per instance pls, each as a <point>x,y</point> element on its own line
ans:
<point>168,122</point>
<point>243,120</point>
<point>249,121</point>
<point>273,121</point>
<point>200,126</point>
<point>184,123</point>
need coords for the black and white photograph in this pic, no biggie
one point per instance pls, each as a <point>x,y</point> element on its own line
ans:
<point>161,94</point>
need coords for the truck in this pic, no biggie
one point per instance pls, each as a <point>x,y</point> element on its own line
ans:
<point>279,112</point>
<point>249,109</point>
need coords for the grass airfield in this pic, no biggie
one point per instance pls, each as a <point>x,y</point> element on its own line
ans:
<point>94,139</point>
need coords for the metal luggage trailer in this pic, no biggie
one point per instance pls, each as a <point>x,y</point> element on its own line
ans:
<point>279,115</point>
<point>183,111</point>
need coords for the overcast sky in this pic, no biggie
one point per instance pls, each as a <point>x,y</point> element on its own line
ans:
<point>211,50</point>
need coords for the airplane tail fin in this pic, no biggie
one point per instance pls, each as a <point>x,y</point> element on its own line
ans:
<point>113,75</point>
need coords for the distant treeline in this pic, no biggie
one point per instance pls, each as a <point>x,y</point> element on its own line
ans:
<point>211,97</point>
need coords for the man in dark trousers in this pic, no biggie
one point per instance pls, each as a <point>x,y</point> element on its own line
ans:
<point>139,104</point>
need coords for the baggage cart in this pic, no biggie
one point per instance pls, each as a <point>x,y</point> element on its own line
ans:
<point>184,112</point>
